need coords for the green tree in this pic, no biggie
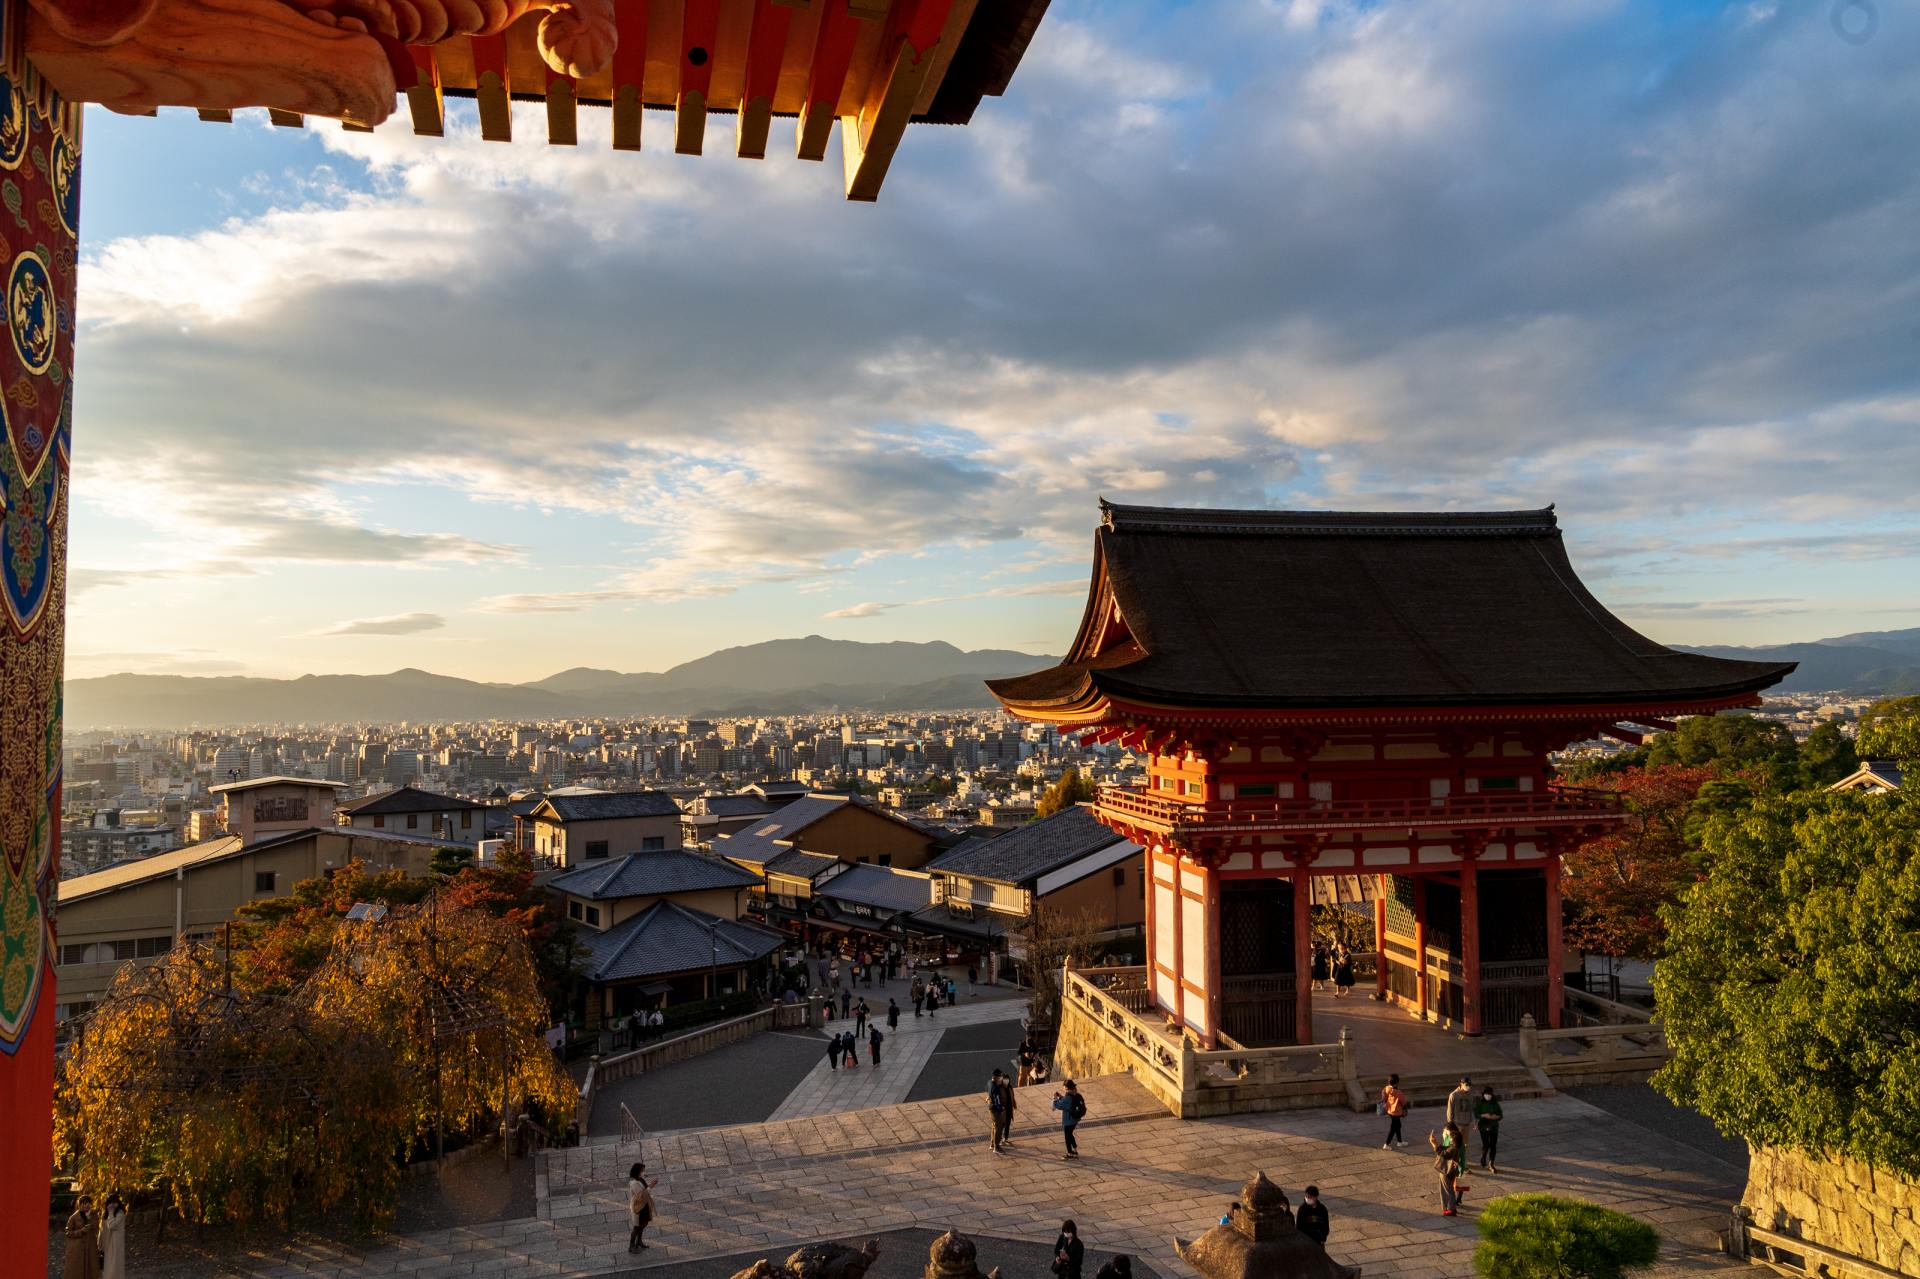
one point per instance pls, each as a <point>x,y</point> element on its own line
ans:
<point>1732,743</point>
<point>1790,989</point>
<point>1827,755</point>
<point>1546,1237</point>
<point>1071,789</point>
<point>450,861</point>
<point>1891,730</point>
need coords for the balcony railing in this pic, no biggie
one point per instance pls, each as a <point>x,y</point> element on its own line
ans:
<point>1556,806</point>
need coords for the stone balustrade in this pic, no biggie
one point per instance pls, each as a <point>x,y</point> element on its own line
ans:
<point>1624,1052</point>
<point>606,1070</point>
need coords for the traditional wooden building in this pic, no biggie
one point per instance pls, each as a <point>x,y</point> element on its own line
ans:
<point>1328,694</point>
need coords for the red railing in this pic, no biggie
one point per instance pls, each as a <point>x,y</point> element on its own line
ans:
<point>1564,805</point>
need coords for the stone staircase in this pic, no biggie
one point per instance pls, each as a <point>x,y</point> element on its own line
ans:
<point>1509,1083</point>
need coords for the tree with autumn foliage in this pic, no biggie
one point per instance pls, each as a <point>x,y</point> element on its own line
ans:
<point>1616,885</point>
<point>237,1090</point>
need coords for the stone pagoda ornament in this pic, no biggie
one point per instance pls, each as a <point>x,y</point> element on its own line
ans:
<point>952,1256</point>
<point>1259,1241</point>
<point>817,1261</point>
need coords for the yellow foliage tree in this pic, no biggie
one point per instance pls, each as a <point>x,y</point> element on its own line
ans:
<point>231,1100</point>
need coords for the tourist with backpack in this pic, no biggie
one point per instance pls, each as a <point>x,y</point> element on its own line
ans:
<point>1393,1104</point>
<point>1073,1108</point>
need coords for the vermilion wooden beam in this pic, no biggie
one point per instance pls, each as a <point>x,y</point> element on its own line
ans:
<point>699,33</point>
<point>629,73</point>
<point>832,55</point>
<point>869,139</point>
<point>493,88</point>
<point>766,47</point>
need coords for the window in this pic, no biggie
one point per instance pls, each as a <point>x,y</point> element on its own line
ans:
<point>1499,783</point>
<point>596,848</point>
<point>379,821</point>
<point>593,916</point>
<point>466,820</point>
<point>1257,790</point>
<point>1196,788</point>
<point>573,910</point>
<point>886,859</point>
<point>413,821</point>
<point>152,947</point>
<point>653,843</point>
<point>1119,876</point>
<point>264,880</point>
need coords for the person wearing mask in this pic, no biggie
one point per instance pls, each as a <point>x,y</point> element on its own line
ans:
<point>1068,1252</point>
<point>1120,1267</point>
<point>1394,1103</point>
<point>1486,1113</point>
<point>1312,1218</point>
<point>1460,1104</point>
<point>1449,1160</point>
<point>113,1239</point>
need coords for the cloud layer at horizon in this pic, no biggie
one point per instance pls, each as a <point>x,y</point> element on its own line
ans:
<point>1656,263</point>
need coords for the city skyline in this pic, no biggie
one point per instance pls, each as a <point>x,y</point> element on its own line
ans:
<point>1495,257</point>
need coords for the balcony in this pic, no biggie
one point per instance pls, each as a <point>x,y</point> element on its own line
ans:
<point>1557,806</point>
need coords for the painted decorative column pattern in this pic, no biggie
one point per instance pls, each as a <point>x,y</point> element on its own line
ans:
<point>40,185</point>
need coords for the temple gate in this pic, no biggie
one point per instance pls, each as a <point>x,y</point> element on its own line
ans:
<point>1374,695</point>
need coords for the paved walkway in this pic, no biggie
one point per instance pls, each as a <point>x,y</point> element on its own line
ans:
<point>903,1056</point>
<point>1145,1178</point>
<point>1390,1040</point>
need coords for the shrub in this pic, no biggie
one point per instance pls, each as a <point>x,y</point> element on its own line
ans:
<point>1546,1237</point>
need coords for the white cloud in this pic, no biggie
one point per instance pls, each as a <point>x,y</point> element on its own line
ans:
<point>398,624</point>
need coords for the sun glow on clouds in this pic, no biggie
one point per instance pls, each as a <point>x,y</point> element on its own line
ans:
<point>1409,255</point>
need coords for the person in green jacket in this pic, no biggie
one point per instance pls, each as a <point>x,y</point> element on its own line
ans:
<point>1486,1113</point>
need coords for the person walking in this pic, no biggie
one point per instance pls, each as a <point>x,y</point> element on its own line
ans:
<point>1342,973</point>
<point>973,978</point>
<point>82,1230</point>
<point>893,1014</point>
<point>1394,1103</point>
<point>834,1052</point>
<point>113,1239</point>
<point>639,1206</point>
<point>1120,1267</point>
<point>1312,1218</point>
<point>834,970</point>
<point>1449,1159</point>
<point>933,994</point>
<point>867,968</point>
<point>873,1043</point>
<point>918,994</point>
<point>846,1002</point>
<point>1073,1108</point>
<point>1069,1254</point>
<point>1487,1114</point>
<point>852,1045</point>
<point>997,1108</point>
<point>1319,966</point>
<point>1460,1105</point>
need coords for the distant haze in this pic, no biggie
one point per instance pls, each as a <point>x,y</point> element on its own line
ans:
<point>777,677</point>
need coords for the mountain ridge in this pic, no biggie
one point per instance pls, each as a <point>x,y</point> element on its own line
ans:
<point>811,674</point>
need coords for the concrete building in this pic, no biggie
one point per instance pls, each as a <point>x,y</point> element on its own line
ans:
<point>409,810</point>
<point>569,830</point>
<point>265,806</point>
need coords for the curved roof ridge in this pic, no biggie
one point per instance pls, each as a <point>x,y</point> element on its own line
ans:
<point>1182,519</point>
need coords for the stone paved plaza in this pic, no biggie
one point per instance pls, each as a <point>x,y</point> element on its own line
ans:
<point>1144,1178</point>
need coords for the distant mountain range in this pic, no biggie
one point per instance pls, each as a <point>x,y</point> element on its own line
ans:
<point>778,677</point>
<point>1866,663</point>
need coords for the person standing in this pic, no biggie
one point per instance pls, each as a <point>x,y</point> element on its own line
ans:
<point>893,1013</point>
<point>833,1052</point>
<point>1073,1108</point>
<point>1120,1267</point>
<point>1449,1158</point>
<point>997,1108</point>
<point>1068,1252</point>
<point>973,978</point>
<point>1460,1105</point>
<point>1013,1112</point>
<point>846,1002</point>
<point>852,1046</point>
<point>1025,1060</point>
<point>950,992</point>
<point>1394,1103</point>
<point>860,1013</point>
<point>1319,966</point>
<point>1487,1114</point>
<point>834,970</point>
<point>83,1247</point>
<point>113,1239</point>
<point>639,1206</point>
<point>873,1043</point>
<point>1342,973</point>
<point>1312,1218</point>
<point>918,994</point>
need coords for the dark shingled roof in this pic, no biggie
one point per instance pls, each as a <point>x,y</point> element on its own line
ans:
<point>1329,609</point>
<point>983,65</point>
<point>603,807</point>
<point>879,886</point>
<point>668,938</point>
<point>760,843</point>
<point>1027,852</point>
<point>407,799</point>
<point>650,874</point>
<point>735,805</point>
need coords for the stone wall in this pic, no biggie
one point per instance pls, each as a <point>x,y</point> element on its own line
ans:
<point>1085,1049</point>
<point>1838,1202</point>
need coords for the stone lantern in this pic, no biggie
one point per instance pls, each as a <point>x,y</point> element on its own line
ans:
<point>952,1256</point>
<point>1259,1241</point>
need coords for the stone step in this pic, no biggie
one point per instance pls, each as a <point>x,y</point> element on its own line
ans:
<point>1509,1082</point>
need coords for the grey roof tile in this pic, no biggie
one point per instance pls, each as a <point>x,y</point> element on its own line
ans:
<point>650,874</point>
<point>668,938</point>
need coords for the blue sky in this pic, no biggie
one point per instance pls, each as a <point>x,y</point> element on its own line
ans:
<point>355,402</point>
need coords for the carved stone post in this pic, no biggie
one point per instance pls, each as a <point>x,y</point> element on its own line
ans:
<point>1529,1041</point>
<point>40,180</point>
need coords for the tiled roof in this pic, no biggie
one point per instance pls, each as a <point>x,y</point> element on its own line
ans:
<point>668,938</point>
<point>1026,853</point>
<point>801,863</point>
<point>408,799</point>
<point>653,874</point>
<point>879,886</point>
<point>603,806</point>
<point>735,805</point>
<point>275,781</point>
<point>761,842</point>
<point>1404,608</point>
